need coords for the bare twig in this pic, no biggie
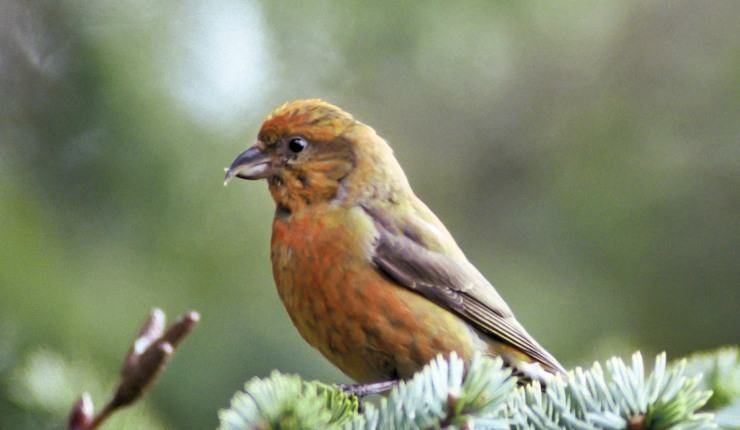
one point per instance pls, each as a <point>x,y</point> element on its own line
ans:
<point>145,360</point>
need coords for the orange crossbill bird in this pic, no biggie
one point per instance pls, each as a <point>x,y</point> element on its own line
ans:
<point>368,274</point>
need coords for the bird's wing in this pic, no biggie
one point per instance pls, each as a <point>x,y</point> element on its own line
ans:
<point>453,284</point>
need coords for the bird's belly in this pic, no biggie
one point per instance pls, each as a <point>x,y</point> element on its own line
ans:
<point>368,326</point>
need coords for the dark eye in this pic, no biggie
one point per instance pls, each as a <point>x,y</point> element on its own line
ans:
<point>297,144</point>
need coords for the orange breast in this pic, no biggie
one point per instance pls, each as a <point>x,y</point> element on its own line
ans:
<point>365,324</point>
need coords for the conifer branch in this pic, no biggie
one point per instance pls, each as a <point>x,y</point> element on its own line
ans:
<point>615,395</point>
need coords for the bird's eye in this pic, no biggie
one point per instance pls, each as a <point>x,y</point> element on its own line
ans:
<point>297,144</point>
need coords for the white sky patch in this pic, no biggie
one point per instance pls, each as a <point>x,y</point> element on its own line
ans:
<point>221,66</point>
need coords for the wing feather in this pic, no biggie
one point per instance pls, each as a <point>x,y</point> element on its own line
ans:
<point>455,285</point>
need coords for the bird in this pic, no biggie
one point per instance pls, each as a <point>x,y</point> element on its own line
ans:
<point>368,274</point>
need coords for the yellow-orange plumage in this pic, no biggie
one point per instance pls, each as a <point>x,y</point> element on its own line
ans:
<point>363,323</point>
<point>368,274</point>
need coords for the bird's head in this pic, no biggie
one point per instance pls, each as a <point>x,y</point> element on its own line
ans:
<point>310,151</point>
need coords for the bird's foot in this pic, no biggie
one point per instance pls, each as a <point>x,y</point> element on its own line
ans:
<point>362,390</point>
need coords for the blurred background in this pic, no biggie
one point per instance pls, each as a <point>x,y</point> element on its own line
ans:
<point>585,155</point>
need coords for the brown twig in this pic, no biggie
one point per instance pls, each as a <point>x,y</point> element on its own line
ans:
<point>144,362</point>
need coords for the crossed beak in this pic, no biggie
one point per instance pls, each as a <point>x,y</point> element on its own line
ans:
<point>250,164</point>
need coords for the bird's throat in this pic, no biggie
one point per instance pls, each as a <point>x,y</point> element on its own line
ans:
<point>294,193</point>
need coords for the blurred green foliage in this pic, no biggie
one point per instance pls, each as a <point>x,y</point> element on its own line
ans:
<point>585,155</point>
<point>40,387</point>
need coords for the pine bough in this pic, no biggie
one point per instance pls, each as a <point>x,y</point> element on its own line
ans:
<point>701,392</point>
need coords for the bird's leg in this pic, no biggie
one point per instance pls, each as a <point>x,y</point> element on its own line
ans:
<point>362,390</point>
